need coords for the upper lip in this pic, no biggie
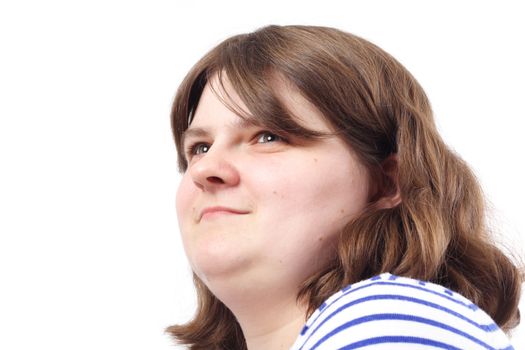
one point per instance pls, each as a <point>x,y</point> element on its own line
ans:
<point>219,208</point>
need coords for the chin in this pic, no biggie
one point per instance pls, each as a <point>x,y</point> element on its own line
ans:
<point>216,267</point>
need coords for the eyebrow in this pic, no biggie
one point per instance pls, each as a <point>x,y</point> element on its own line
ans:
<point>203,132</point>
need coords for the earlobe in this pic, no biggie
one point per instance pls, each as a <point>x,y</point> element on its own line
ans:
<point>390,193</point>
<point>390,201</point>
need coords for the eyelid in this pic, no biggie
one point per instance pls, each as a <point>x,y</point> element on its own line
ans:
<point>262,132</point>
<point>190,148</point>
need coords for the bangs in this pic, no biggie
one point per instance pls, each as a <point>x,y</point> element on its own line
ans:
<point>260,95</point>
<point>255,83</point>
<point>248,69</point>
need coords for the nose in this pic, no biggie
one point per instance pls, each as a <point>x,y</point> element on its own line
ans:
<point>214,170</point>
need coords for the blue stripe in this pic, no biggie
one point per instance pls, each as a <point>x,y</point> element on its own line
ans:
<point>402,317</point>
<point>486,328</point>
<point>410,340</point>
<point>348,291</point>
<point>418,288</point>
<point>303,331</point>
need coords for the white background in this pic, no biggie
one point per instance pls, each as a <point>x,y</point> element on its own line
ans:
<point>90,256</point>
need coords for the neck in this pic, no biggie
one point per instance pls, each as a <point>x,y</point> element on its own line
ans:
<point>272,326</point>
<point>269,319</point>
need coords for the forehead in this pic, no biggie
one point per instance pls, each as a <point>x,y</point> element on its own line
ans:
<point>216,97</point>
<point>303,110</point>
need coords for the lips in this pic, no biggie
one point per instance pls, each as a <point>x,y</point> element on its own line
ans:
<point>218,209</point>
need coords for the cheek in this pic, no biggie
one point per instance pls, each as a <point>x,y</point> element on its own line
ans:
<point>310,204</point>
<point>186,213</point>
<point>185,207</point>
<point>183,198</point>
<point>317,191</point>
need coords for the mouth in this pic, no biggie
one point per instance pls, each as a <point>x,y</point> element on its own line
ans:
<point>212,212</point>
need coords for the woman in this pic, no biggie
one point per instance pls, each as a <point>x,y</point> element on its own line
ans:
<point>320,209</point>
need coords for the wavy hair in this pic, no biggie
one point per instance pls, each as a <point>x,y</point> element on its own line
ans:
<point>437,233</point>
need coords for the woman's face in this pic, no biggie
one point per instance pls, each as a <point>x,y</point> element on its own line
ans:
<point>287,200</point>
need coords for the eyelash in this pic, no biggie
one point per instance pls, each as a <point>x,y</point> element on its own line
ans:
<point>192,148</point>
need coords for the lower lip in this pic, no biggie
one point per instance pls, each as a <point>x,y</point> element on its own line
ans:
<point>217,214</point>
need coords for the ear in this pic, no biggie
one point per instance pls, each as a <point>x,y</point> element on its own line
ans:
<point>390,195</point>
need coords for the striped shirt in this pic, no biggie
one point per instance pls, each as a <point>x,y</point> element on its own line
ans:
<point>392,312</point>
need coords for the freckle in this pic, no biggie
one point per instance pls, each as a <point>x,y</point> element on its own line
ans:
<point>320,239</point>
<point>315,160</point>
<point>274,192</point>
<point>342,210</point>
<point>280,261</point>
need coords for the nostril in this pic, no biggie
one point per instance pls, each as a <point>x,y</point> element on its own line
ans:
<point>215,179</point>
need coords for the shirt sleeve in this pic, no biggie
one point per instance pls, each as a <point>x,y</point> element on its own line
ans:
<point>391,312</point>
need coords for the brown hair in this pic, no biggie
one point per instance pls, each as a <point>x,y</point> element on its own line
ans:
<point>437,233</point>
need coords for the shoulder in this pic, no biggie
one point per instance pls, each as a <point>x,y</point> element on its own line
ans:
<point>391,312</point>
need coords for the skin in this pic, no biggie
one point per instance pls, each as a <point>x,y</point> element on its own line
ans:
<point>296,195</point>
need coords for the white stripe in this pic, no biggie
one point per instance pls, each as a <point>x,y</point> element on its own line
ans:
<point>375,328</point>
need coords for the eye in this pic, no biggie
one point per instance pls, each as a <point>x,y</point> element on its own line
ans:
<point>196,148</point>
<point>266,136</point>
